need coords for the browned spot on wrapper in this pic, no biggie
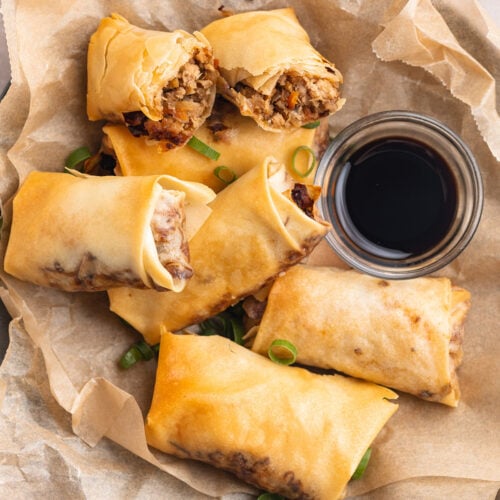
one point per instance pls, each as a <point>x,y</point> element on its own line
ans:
<point>436,396</point>
<point>90,275</point>
<point>256,470</point>
<point>415,318</point>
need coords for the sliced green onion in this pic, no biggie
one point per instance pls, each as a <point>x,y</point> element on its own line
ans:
<point>212,326</point>
<point>282,344</point>
<point>225,174</point>
<point>238,331</point>
<point>204,149</point>
<point>360,469</point>
<point>228,323</point>
<point>145,350</point>
<point>270,496</point>
<point>311,161</point>
<point>130,358</point>
<point>77,157</point>
<point>312,124</point>
<point>139,351</point>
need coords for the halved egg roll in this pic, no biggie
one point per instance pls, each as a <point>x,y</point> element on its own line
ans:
<point>241,143</point>
<point>160,84</point>
<point>402,334</point>
<point>283,429</point>
<point>270,70</point>
<point>86,233</point>
<point>260,224</point>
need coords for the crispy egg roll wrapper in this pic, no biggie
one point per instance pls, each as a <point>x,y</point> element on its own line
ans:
<point>253,233</point>
<point>270,70</point>
<point>281,428</point>
<point>402,334</point>
<point>162,84</point>
<point>86,233</point>
<point>241,143</point>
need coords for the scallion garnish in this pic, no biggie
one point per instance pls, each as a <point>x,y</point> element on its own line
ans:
<point>312,124</point>
<point>200,147</point>
<point>360,469</point>
<point>282,345</point>
<point>130,358</point>
<point>77,157</point>
<point>238,330</point>
<point>145,349</point>
<point>225,174</point>
<point>311,162</point>
<point>228,323</point>
<point>139,351</point>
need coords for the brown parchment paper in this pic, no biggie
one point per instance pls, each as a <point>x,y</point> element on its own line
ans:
<point>71,421</point>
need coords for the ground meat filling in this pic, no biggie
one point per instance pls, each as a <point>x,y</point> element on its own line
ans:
<point>167,225</point>
<point>295,101</point>
<point>303,199</point>
<point>185,100</point>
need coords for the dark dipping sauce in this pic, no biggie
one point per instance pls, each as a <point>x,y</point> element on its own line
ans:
<point>398,198</point>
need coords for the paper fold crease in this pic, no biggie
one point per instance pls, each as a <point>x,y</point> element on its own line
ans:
<point>419,36</point>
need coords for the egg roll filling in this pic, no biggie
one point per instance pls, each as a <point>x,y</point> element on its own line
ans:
<point>304,197</point>
<point>167,225</point>
<point>185,101</point>
<point>296,99</point>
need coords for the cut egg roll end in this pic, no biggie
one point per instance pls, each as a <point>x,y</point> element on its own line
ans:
<point>90,233</point>
<point>270,71</point>
<point>159,84</point>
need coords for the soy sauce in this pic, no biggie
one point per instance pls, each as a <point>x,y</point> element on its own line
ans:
<point>398,197</point>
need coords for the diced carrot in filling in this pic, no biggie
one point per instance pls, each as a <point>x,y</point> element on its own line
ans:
<point>295,101</point>
<point>185,101</point>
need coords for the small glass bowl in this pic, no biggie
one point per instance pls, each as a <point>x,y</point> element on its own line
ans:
<point>331,174</point>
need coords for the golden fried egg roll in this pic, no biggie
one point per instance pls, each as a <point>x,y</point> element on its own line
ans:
<point>270,70</point>
<point>85,233</point>
<point>260,224</point>
<point>280,428</point>
<point>241,143</point>
<point>402,334</point>
<point>160,84</point>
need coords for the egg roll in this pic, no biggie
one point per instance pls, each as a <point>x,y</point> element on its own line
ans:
<point>160,84</point>
<point>242,144</point>
<point>270,70</point>
<point>405,334</point>
<point>260,224</point>
<point>85,233</point>
<point>280,428</point>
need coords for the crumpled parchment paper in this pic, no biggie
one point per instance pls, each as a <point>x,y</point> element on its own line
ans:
<point>71,420</point>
